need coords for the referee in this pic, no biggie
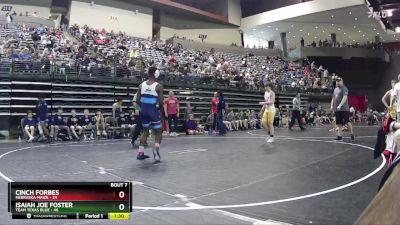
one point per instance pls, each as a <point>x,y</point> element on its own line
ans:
<point>296,112</point>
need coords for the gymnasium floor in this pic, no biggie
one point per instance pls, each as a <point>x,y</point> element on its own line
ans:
<point>308,179</point>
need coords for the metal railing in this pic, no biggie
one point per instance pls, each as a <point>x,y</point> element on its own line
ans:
<point>76,69</point>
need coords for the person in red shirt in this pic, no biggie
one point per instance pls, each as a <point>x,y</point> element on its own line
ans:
<point>171,108</point>
<point>214,111</point>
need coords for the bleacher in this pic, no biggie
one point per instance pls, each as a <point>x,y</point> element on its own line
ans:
<point>19,93</point>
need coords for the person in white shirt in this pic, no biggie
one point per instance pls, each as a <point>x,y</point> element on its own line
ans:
<point>268,111</point>
<point>396,98</point>
<point>8,20</point>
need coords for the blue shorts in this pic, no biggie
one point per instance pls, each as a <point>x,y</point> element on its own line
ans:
<point>150,118</point>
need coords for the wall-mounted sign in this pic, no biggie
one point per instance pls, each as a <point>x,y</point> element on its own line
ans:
<point>113,18</point>
<point>7,8</point>
<point>202,37</point>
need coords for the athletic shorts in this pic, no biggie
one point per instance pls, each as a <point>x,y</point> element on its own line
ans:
<point>269,115</point>
<point>150,118</point>
<point>342,117</point>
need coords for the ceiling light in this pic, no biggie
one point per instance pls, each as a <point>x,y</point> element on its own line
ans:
<point>359,31</point>
<point>308,34</point>
<point>289,32</point>
<point>355,18</point>
<point>355,27</point>
<point>276,29</point>
<point>301,30</point>
<point>323,31</point>
<point>397,39</point>
<point>333,24</point>
<point>363,35</point>
<point>377,33</point>
<point>332,16</point>
<point>354,40</point>
<point>315,37</point>
<point>350,13</point>
<point>294,36</point>
<point>344,33</point>
<point>374,28</point>
<point>339,28</point>
<point>291,25</point>
<point>316,27</point>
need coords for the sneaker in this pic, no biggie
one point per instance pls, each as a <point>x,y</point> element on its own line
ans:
<point>84,137</point>
<point>270,140</point>
<point>172,134</point>
<point>98,133</point>
<point>176,134</point>
<point>31,139</point>
<point>339,138</point>
<point>104,133</point>
<point>156,153</point>
<point>352,138</point>
<point>141,156</point>
<point>165,133</point>
<point>267,139</point>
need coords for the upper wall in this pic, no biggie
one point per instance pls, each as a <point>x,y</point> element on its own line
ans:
<point>223,48</point>
<point>98,15</point>
<point>214,36</point>
<point>41,7</point>
<point>345,53</point>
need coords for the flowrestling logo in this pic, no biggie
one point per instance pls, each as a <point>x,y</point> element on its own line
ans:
<point>376,14</point>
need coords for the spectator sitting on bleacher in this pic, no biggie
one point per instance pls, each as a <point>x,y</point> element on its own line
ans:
<point>86,122</point>
<point>100,123</point>
<point>29,126</point>
<point>117,108</point>
<point>253,120</point>
<point>124,121</point>
<point>192,127</point>
<point>230,118</point>
<point>42,118</point>
<point>74,126</point>
<point>58,123</point>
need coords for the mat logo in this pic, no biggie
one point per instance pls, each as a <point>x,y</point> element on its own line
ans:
<point>7,8</point>
<point>28,216</point>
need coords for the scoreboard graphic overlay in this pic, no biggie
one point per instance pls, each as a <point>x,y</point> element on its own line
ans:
<point>70,200</point>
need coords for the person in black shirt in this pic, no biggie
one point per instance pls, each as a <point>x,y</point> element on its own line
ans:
<point>124,121</point>
<point>220,113</point>
<point>57,123</point>
<point>73,125</point>
<point>86,122</point>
